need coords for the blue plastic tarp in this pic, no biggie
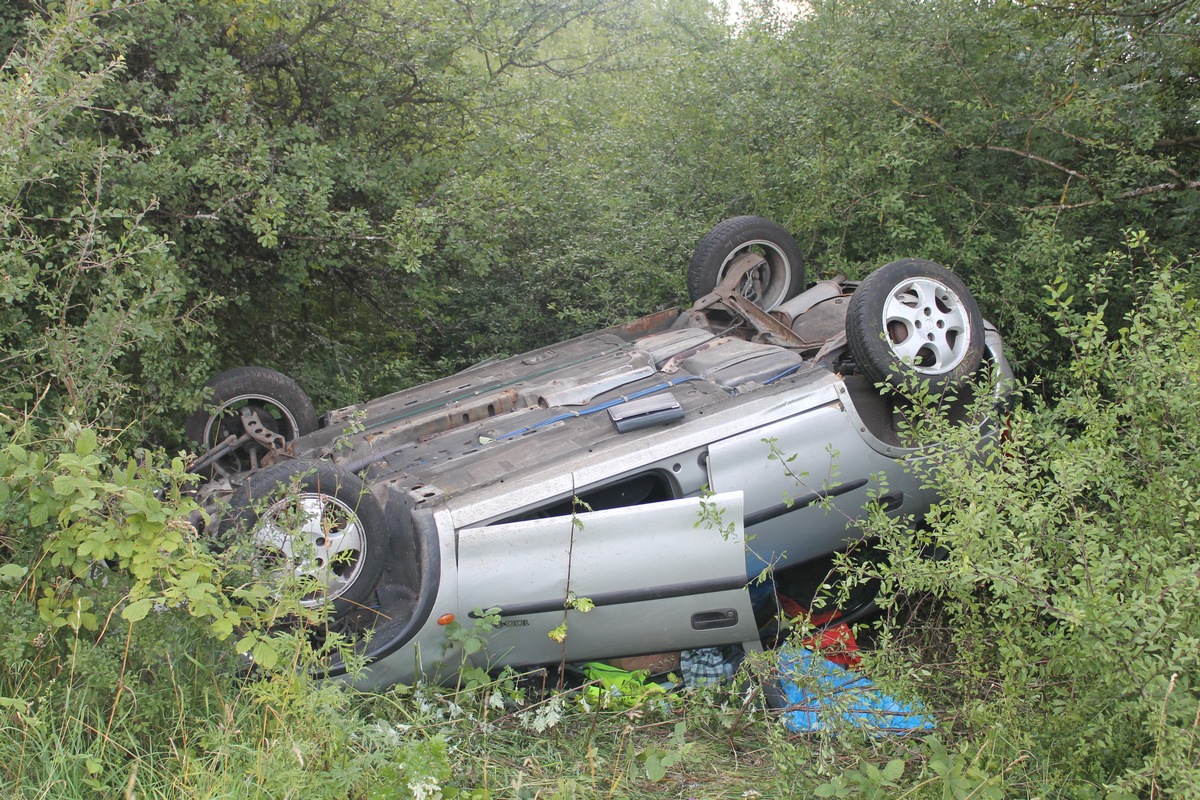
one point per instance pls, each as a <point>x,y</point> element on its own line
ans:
<point>822,695</point>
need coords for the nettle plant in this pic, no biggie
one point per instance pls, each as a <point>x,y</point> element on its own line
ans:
<point>1068,572</point>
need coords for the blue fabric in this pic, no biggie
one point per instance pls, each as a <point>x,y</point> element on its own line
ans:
<point>818,690</point>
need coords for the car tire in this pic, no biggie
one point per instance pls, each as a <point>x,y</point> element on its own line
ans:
<point>914,317</point>
<point>780,280</point>
<point>313,521</point>
<point>284,408</point>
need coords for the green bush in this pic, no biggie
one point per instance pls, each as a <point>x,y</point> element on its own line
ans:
<point>93,317</point>
<point>1068,591</point>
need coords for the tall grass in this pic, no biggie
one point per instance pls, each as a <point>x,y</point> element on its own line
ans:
<point>153,710</point>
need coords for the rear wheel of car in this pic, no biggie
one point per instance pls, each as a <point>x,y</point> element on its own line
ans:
<point>280,404</point>
<point>312,528</point>
<point>779,278</point>
<point>915,317</point>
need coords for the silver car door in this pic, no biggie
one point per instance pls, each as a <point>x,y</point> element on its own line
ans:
<point>803,503</point>
<point>655,579</point>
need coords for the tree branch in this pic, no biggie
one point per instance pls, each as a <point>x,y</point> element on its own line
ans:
<point>1047,162</point>
<point>1187,141</point>
<point>1129,194</point>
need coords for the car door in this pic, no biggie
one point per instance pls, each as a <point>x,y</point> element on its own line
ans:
<point>655,577</point>
<point>806,479</point>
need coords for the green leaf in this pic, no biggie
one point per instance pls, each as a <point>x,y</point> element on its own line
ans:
<point>655,770</point>
<point>583,604</point>
<point>265,654</point>
<point>137,610</point>
<point>85,445</point>
<point>221,627</point>
<point>11,573</point>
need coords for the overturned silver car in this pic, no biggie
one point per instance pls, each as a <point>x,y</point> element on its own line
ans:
<point>629,482</point>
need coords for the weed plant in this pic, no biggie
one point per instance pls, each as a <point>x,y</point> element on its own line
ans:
<point>153,710</point>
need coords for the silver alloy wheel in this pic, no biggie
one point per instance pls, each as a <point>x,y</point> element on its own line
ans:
<point>927,325</point>
<point>768,285</point>
<point>316,538</point>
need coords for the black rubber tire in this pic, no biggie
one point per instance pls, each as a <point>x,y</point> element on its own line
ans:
<point>287,409</point>
<point>915,298</point>
<point>345,527</point>
<point>737,235</point>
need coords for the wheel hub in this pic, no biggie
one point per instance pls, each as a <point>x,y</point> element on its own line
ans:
<point>314,539</point>
<point>927,326</point>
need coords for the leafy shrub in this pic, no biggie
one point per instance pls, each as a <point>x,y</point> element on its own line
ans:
<point>1069,590</point>
<point>93,319</point>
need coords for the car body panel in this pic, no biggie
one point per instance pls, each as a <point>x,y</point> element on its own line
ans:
<point>807,491</point>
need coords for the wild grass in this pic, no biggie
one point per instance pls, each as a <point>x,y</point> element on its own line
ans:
<point>107,721</point>
<point>158,710</point>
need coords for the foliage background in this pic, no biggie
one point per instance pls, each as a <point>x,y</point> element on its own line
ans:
<point>366,194</point>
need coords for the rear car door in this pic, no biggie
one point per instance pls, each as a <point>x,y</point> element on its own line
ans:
<point>806,480</point>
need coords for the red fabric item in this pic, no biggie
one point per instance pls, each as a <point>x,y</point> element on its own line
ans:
<point>836,642</point>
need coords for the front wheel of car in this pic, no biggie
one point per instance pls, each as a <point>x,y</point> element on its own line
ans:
<point>312,528</point>
<point>779,276</point>
<point>914,318</point>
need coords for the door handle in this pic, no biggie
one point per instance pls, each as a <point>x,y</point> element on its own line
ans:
<point>714,620</point>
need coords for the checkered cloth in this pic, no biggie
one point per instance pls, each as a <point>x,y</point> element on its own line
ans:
<point>707,665</point>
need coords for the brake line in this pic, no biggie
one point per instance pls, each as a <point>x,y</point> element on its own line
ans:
<point>785,373</point>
